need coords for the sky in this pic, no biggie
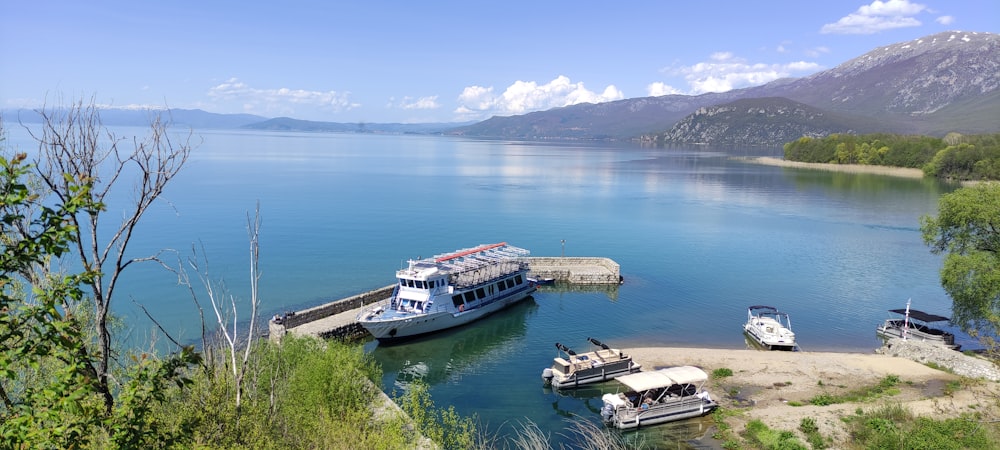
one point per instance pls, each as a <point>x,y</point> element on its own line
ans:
<point>435,61</point>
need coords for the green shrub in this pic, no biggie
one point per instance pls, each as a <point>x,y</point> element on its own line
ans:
<point>722,372</point>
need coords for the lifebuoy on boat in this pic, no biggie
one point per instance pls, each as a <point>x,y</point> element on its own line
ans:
<point>461,308</point>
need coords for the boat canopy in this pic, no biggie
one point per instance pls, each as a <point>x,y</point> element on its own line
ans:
<point>920,315</point>
<point>643,381</point>
<point>466,260</point>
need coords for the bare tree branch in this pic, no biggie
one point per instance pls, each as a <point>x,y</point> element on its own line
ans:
<point>74,144</point>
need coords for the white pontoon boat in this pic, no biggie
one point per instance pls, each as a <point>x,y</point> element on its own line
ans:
<point>916,325</point>
<point>577,369</point>
<point>659,396</point>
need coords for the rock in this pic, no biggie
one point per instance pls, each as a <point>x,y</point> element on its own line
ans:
<point>931,353</point>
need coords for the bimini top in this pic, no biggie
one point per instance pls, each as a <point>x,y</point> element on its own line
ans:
<point>643,381</point>
<point>920,315</point>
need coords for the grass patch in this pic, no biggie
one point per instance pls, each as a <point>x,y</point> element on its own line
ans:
<point>894,426</point>
<point>723,432</point>
<point>887,386</point>
<point>722,372</point>
<point>936,366</point>
<point>951,387</point>
<point>759,435</point>
<point>809,428</point>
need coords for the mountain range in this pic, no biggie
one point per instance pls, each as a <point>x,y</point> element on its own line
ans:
<point>946,82</point>
<point>932,85</point>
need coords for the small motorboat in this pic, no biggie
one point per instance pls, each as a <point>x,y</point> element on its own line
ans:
<point>769,328</point>
<point>541,281</point>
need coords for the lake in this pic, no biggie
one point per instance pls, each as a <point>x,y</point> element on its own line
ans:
<point>699,236</point>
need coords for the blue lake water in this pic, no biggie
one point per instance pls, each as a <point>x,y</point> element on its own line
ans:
<point>699,236</point>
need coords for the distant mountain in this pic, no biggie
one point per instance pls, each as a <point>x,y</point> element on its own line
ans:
<point>933,85</point>
<point>198,119</point>
<point>185,118</point>
<point>289,124</point>
<point>622,119</point>
<point>916,84</point>
<point>758,121</point>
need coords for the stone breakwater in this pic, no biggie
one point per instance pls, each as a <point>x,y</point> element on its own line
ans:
<point>957,362</point>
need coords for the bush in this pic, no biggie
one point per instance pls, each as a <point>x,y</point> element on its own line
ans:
<point>722,373</point>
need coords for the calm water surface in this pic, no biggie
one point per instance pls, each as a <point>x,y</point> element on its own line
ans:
<point>699,236</point>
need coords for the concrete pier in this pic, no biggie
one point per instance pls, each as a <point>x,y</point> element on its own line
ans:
<point>576,270</point>
<point>338,319</point>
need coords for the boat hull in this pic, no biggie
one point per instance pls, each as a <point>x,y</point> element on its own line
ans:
<point>634,418</point>
<point>595,375</point>
<point>403,328</point>
<point>894,328</point>
<point>765,342</point>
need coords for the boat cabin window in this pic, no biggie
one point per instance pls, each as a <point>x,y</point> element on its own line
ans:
<point>517,279</point>
<point>456,299</point>
<point>470,297</point>
<point>501,285</point>
<point>510,283</point>
<point>480,293</point>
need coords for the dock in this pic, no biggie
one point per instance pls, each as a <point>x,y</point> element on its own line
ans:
<point>338,318</point>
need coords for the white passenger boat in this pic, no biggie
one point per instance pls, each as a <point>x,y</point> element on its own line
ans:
<point>769,328</point>
<point>578,369</point>
<point>658,396</point>
<point>915,324</point>
<point>449,290</point>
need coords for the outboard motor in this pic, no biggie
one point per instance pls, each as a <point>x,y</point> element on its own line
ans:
<point>547,375</point>
<point>608,410</point>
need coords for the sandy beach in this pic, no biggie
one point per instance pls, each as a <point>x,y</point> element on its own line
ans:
<point>764,382</point>
<point>848,168</point>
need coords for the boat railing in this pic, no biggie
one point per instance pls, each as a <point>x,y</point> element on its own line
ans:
<point>666,402</point>
<point>481,274</point>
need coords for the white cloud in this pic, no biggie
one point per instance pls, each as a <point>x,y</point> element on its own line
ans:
<point>429,102</point>
<point>527,96</point>
<point>725,72</point>
<point>816,52</point>
<point>659,88</point>
<point>876,17</point>
<point>945,20</point>
<point>281,100</point>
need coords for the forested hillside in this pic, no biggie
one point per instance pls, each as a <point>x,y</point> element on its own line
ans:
<point>975,157</point>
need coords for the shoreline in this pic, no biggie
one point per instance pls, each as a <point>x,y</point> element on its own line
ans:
<point>903,172</point>
<point>766,385</point>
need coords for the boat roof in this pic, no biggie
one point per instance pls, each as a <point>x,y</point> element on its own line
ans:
<point>920,315</point>
<point>642,381</point>
<point>764,309</point>
<point>464,260</point>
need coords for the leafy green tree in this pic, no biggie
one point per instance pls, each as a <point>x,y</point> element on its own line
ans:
<point>54,392</point>
<point>967,230</point>
<point>37,330</point>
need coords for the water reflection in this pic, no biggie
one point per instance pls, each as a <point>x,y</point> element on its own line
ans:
<point>439,357</point>
<point>610,290</point>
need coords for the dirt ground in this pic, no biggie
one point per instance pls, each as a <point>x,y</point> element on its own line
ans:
<point>764,382</point>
